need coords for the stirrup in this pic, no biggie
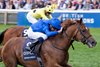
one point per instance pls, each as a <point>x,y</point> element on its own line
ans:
<point>28,48</point>
<point>36,40</point>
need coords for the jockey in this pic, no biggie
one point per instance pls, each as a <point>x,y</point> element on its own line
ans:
<point>42,13</point>
<point>42,29</point>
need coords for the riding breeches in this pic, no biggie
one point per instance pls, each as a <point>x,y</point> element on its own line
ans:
<point>31,19</point>
<point>35,35</point>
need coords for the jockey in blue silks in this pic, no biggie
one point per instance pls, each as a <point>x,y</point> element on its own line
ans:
<point>41,30</point>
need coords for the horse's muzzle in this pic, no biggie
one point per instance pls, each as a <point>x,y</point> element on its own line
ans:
<point>91,42</point>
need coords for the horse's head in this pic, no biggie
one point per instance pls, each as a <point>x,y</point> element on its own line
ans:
<point>81,33</point>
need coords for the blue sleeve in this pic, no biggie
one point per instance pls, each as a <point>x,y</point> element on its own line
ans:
<point>47,21</point>
<point>49,33</point>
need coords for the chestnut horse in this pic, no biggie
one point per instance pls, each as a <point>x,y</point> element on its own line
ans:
<point>54,50</point>
<point>17,31</point>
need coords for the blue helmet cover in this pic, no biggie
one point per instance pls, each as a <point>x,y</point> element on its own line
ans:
<point>55,23</point>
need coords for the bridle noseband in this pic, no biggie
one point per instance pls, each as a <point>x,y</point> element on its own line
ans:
<point>84,39</point>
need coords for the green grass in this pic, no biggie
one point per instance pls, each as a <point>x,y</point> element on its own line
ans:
<point>82,56</point>
<point>3,27</point>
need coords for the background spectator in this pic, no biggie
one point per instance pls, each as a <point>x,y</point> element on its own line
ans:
<point>39,4</point>
<point>74,3</point>
<point>10,5</point>
<point>62,5</point>
<point>69,5</point>
<point>88,5</point>
<point>79,5</point>
<point>28,5</point>
<point>16,3</point>
<point>95,4</point>
<point>59,4</point>
<point>1,4</point>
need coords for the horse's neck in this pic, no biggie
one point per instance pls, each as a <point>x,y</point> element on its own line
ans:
<point>63,40</point>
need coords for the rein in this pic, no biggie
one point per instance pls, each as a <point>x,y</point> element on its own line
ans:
<point>72,40</point>
<point>84,39</point>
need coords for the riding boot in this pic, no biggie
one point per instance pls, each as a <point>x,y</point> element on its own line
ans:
<point>38,47</point>
<point>30,46</point>
<point>41,40</point>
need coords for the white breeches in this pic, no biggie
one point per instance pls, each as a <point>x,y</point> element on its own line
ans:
<point>31,19</point>
<point>35,35</point>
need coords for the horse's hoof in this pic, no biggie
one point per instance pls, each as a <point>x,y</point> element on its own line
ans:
<point>69,65</point>
<point>0,59</point>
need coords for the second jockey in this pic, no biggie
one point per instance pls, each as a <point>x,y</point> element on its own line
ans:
<point>40,13</point>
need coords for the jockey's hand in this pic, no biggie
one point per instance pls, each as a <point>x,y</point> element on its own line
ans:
<point>59,31</point>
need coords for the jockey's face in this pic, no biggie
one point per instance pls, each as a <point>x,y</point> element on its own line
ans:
<point>47,13</point>
<point>52,28</point>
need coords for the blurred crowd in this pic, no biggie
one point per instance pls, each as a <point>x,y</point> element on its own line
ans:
<point>61,4</point>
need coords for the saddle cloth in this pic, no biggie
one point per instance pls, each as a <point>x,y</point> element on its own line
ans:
<point>30,55</point>
<point>24,32</point>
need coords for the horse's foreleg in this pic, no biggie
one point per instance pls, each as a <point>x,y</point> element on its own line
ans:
<point>9,59</point>
<point>10,65</point>
<point>0,54</point>
<point>68,65</point>
<point>57,65</point>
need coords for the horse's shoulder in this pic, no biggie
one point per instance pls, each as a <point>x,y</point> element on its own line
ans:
<point>18,38</point>
<point>49,40</point>
<point>23,38</point>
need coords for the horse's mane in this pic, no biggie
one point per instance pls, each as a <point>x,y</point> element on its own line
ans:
<point>65,24</point>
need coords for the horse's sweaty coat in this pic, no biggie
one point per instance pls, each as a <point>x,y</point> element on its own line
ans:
<point>54,50</point>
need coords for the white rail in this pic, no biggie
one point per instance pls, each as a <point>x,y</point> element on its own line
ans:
<point>7,12</point>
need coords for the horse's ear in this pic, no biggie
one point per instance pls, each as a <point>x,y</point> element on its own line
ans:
<point>80,20</point>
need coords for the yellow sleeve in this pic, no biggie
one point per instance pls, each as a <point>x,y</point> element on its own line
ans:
<point>44,17</point>
<point>50,17</point>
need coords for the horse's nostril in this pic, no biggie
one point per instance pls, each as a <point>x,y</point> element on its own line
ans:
<point>93,42</point>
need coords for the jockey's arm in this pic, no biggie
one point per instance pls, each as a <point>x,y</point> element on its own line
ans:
<point>44,17</point>
<point>49,33</point>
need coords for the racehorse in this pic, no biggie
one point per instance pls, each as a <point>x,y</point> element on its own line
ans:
<point>17,31</point>
<point>54,50</point>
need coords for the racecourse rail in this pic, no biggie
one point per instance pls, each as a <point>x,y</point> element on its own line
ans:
<point>90,17</point>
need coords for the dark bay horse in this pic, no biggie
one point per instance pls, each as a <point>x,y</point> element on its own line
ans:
<point>54,50</point>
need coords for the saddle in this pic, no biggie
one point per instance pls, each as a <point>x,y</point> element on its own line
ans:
<point>34,53</point>
<point>35,49</point>
<point>35,45</point>
<point>24,32</point>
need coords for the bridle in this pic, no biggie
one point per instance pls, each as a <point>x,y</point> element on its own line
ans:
<point>85,38</point>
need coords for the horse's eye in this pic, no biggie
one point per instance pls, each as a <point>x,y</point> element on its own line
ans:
<point>83,30</point>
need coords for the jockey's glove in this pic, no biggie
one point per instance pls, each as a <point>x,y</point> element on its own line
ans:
<point>59,31</point>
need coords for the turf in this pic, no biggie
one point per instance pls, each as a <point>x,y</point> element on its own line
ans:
<point>82,56</point>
